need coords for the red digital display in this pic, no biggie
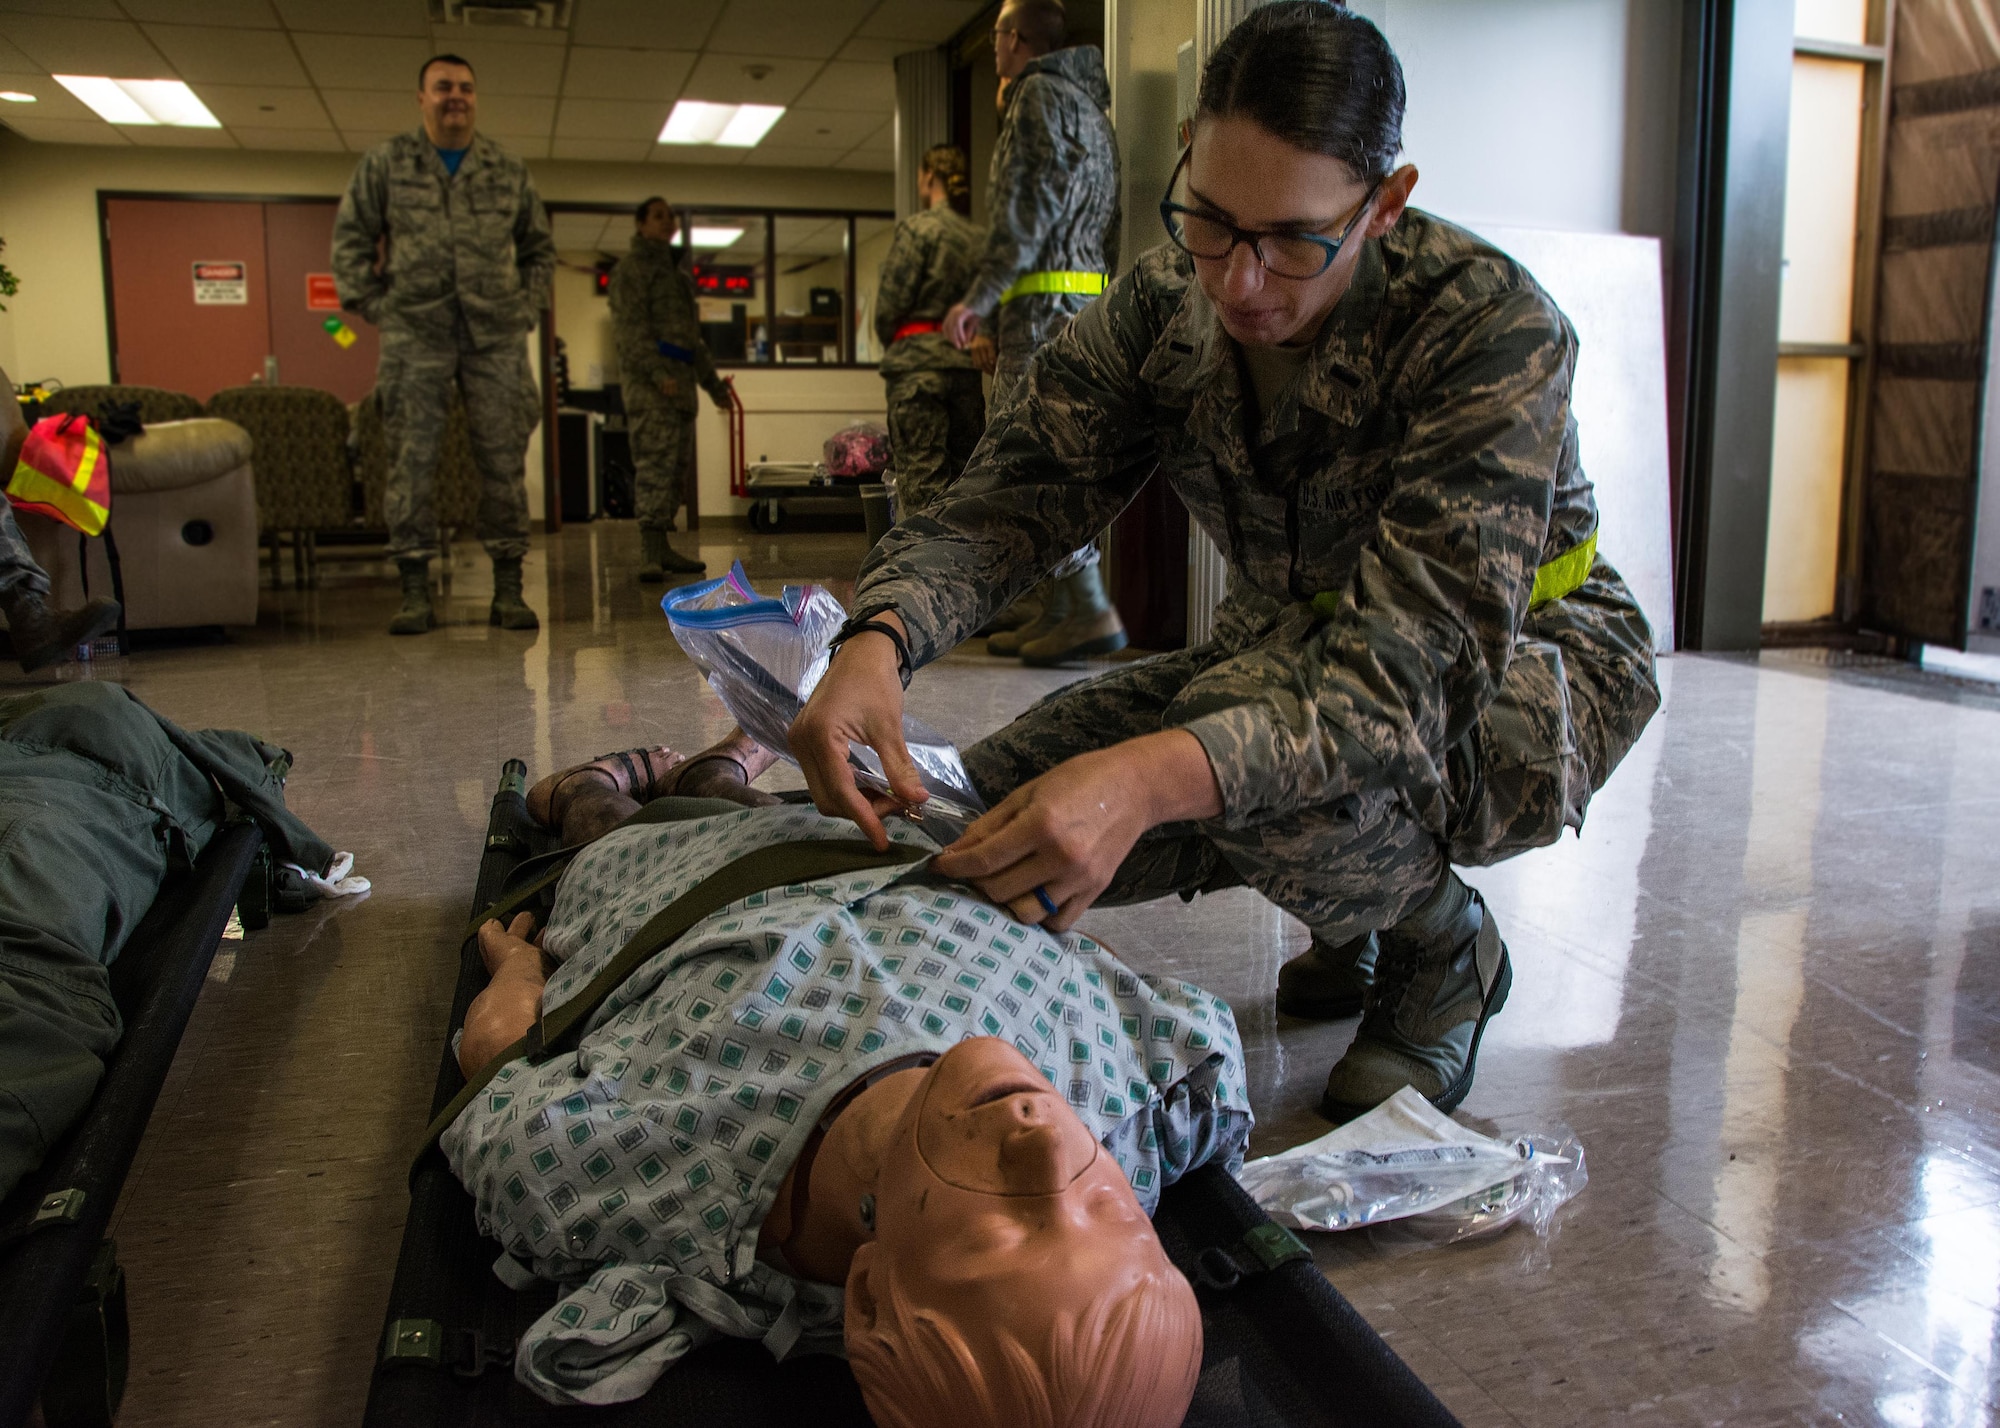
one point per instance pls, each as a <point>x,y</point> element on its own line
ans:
<point>732,282</point>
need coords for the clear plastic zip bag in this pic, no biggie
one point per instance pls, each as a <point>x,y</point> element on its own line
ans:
<point>1417,1178</point>
<point>764,656</point>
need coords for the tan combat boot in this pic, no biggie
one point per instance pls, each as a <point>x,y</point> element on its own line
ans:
<point>1089,625</point>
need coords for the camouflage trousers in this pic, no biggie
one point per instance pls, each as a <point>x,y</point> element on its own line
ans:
<point>415,380</point>
<point>662,439</point>
<point>1022,328</point>
<point>935,419</point>
<point>19,574</point>
<point>1577,695</point>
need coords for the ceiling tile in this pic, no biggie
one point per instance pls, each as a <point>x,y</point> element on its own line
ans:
<point>236,14</point>
<point>360,141</point>
<point>52,101</point>
<point>706,156</point>
<point>455,38</point>
<point>673,25</point>
<point>932,21</point>
<point>868,161</point>
<point>786,27</point>
<point>68,46</point>
<point>844,85</point>
<point>163,136</point>
<point>371,109</point>
<point>635,119</point>
<point>67,9</point>
<point>321,139</point>
<point>263,106</point>
<point>781,156</point>
<point>207,54</point>
<point>864,49</point>
<point>502,114</point>
<point>12,61</point>
<point>524,146</point>
<point>359,17</point>
<point>366,62</point>
<point>727,78</point>
<point>65,131</point>
<point>510,69</point>
<point>823,129</point>
<point>597,73</point>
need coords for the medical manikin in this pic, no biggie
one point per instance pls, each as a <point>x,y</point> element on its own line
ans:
<point>998,1266</point>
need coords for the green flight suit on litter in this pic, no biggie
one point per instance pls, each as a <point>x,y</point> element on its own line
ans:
<point>1383,693</point>
<point>463,277</point>
<point>100,799</point>
<point>936,400</point>
<point>653,306</point>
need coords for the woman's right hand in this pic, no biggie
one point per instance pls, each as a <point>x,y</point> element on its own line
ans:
<point>859,700</point>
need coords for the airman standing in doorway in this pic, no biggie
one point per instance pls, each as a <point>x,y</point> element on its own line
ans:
<point>1053,204</point>
<point>442,243</point>
<point>661,357</point>
<point>937,408</point>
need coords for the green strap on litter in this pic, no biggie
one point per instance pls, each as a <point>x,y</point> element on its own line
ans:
<point>1089,284</point>
<point>779,865</point>
<point>1561,577</point>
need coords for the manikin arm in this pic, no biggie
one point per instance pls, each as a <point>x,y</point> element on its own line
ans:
<point>501,1015</point>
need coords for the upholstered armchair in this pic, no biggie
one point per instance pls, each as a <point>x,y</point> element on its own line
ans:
<point>156,404</point>
<point>305,483</point>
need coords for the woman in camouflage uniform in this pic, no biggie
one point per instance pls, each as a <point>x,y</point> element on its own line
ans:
<point>937,408</point>
<point>1421,659</point>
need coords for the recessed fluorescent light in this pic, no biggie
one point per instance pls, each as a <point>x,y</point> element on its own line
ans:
<point>713,237</point>
<point>14,96</point>
<point>735,126</point>
<point>140,101</point>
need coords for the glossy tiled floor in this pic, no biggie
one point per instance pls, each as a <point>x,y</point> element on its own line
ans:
<point>1764,988</point>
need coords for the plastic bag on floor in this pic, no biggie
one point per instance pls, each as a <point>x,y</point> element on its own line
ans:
<point>1431,1181</point>
<point>763,657</point>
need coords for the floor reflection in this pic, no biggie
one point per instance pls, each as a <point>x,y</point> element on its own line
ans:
<point>1763,987</point>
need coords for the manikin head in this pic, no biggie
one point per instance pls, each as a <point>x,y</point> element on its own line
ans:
<point>1025,30</point>
<point>1013,1279</point>
<point>446,100</point>
<point>655,218</point>
<point>1296,133</point>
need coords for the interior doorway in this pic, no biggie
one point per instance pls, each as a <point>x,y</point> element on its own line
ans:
<point>206,293</point>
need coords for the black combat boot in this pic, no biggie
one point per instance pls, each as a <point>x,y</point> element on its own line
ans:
<point>42,636</point>
<point>417,614</point>
<point>1441,975</point>
<point>510,611</point>
<point>1328,980</point>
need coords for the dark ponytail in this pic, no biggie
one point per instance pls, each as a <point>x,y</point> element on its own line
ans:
<point>1317,76</point>
<point>948,165</point>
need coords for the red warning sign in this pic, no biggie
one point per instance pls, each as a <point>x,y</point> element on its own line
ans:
<point>321,293</point>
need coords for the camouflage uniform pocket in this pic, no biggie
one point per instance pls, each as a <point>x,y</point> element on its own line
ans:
<point>1517,779</point>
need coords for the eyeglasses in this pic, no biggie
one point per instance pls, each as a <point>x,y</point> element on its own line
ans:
<point>1201,234</point>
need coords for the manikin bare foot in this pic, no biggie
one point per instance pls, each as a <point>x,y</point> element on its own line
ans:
<point>589,800</point>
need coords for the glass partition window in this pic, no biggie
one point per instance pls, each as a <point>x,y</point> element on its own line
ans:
<point>812,290</point>
<point>871,246</point>
<point>729,257</point>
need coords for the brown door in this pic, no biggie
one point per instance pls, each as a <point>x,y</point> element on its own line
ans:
<point>190,303</point>
<point>298,238</point>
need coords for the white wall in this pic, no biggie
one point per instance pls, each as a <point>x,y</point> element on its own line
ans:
<point>1540,113</point>
<point>791,414</point>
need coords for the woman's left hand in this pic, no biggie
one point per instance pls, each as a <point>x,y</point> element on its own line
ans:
<point>1067,832</point>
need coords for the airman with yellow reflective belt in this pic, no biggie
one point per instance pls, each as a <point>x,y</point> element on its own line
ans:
<point>1421,659</point>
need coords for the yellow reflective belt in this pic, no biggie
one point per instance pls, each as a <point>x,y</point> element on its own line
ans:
<point>1565,574</point>
<point>1089,284</point>
<point>1562,576</point>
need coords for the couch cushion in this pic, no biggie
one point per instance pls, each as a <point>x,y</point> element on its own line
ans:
<point>170,455</point>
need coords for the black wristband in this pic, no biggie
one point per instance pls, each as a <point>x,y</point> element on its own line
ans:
<point>865,623</point>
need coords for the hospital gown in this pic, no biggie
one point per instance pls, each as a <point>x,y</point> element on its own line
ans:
<point>637,1170</point>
